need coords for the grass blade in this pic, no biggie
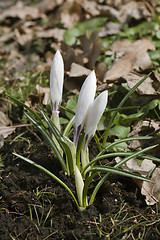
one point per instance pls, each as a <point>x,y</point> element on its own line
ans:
<point>50,124</point>
<point>119,154</point>
<point>126,140</point>
<point>121,172</point>
<point>68,127</point>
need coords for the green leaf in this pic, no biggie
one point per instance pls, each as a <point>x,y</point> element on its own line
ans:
<point>142,29</point>
<point>71,105</point>
<point>121,172</point>
<point>155,55</point>
<point>63,120</point>
<point>157,43</point>
<point>153,104</point>
<point>90,26</point>
<point>158,34</point>
<point>133,116</point>
<point>119,131</point>
<point>106,147</point>
<point>70,152</point>
<point>102,123</point>
<point>118,147</point>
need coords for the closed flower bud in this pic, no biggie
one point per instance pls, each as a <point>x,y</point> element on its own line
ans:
<point>56,82</point>
<point>94,115</point>
<point>79,185</point>
<point>86,98</point>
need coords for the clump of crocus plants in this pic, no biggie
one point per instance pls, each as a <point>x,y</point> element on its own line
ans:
<point>73,153</point>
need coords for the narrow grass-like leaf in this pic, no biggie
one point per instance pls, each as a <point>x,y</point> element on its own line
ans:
<point>61,140</point>
<point>67,110</point>
<point>97,140</point>
<point>50,124</point>
<point>120,105</point>
<point>69,156</point>
<point>78,152</point>
<point>87,183</point>
<point>119,164</point>
<point>49,140</point>
<point>50,174</point>
<point>152,158</point>
<point>121,108</point>
<point>116,166</point>
<point>118,154</point>
<point>121,172</point>
<point>68,127</point>
<point>126,140</point>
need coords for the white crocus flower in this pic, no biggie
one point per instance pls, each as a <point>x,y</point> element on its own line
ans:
<point>86,98</point>
<point>94,115</point>
<point>56,82</point>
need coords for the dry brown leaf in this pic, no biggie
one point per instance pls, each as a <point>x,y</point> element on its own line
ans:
<point>144,128</point>
<point>101,70</point>
<point>145,88</point>
<point>132,166</point>
<point>116,3</point>
<point>5,131</point>
<point>6,37</point>
<point>4,120</point>
<point>71,55</point>
<point>134,58</point>
<point>152,190</point>
<point>1,90</point>
<point>1,141</point>
<point>91,48</point>
<point>78,70</point>
<point>25,37</point>
<point>90,7</point>
<point>44,92</point>
<point>56,33</point>
<point>108,11</point>
<point>135,10</point>
<point>69,13</point>
<point>120,46</point>
<point>21,11</point>
<point>128,9</point>
<point>87,56</point>
<point>48,5</point>
<point>110,28</point>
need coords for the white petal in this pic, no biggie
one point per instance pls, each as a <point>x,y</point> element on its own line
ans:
<point>56,81</point>
<point>86,98</point>
<point>95,114</point>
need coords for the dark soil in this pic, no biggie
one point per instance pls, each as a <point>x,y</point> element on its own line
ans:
<point>34,206</point>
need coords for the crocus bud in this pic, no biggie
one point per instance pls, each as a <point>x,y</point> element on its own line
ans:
<point>56,82</point>
<point>85,100</point>
<point>79,185</point>
<point>94,115</point>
